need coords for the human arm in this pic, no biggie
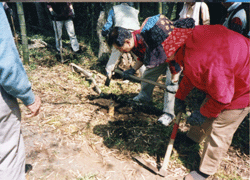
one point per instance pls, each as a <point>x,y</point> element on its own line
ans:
<point>7,9</point>
<point>108,25</point>
<point>207,110</point>
<point>52,12</point>
<point>49,7</point>
<point>72,9</point>
<point>34,108</point>
<point>138,65</point>
<point>132,70</point>
<point>238,22</point>
<point>184,89</point>
<point>212,108</point>
<point>13,77</point>
<point>5,6</point>
<point>205,14</point>
<point>175,68</point>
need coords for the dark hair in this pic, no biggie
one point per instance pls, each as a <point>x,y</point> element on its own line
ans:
<point>118,35</point>
<point>185,23</point>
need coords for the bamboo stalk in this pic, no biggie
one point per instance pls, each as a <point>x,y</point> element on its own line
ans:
<point>23,32</point>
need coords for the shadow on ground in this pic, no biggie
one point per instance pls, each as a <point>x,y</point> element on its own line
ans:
<point>135,130</point>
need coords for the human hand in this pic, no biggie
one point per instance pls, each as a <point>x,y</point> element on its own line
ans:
<point>179,106</point>
<point>196,118</point>
<point>128,72</point>
<point>53,13</point>
<point>10,11</point>
<point>105,33</point>
<point>34,108</point>
<point>109,74</point>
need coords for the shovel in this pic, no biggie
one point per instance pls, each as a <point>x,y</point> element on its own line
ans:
<point>163,170</point>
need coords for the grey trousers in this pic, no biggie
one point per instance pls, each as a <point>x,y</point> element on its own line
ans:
<point>147,89</point>
<point>69,25</point>
<point>12,153</point>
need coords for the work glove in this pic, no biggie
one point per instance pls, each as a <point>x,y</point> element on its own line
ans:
<point>196,118</point>
<point>105,33</point>
<point>173,87</point>
<point>179,106</point>
<point>128,72</point>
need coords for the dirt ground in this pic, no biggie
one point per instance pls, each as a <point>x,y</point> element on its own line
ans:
<point>68,139</point>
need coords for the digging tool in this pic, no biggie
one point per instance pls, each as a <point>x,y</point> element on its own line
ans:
<point>60,44</point>
<point>86,74</point>
<point>163,170</point>
<point>143,80</point>
<point>13,25</point>
<point>107,81</point>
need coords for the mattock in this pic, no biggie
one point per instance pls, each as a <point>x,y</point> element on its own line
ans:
<point>107,82</point>
<point>163,170</point>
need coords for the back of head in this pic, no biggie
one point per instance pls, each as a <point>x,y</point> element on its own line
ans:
<point>118,36</point>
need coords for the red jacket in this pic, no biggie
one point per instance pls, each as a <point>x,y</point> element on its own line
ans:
<point>216,61</point>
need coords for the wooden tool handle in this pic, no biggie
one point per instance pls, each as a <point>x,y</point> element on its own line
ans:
<point>171,142</point>
<point>145,80</point>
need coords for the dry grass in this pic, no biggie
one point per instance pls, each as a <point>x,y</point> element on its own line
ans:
<point>73,137</point>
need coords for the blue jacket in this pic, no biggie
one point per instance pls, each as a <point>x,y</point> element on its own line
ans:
<point>13,77</point>
<point>108,25</point>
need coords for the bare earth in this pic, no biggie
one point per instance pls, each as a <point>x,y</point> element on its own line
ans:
<point>63,142</point>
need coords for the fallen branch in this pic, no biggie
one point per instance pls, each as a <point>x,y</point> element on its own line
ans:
<point>88,75</point>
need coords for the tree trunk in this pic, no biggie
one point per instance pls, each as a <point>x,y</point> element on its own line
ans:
<point>92,21</point>
<point>104,50</point>
<point>40,14</point>
<point>23,32</point>
<point>170,9</point>
<point>160,7</point>
<point>178,9</point>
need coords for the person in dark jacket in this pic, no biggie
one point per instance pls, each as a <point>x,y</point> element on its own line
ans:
<point>150,53</point>
<point>62,14</point>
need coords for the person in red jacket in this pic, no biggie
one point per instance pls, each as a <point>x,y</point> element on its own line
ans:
<point>216,61</point>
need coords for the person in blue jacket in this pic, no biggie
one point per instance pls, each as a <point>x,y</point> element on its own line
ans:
<point>14,84</point>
